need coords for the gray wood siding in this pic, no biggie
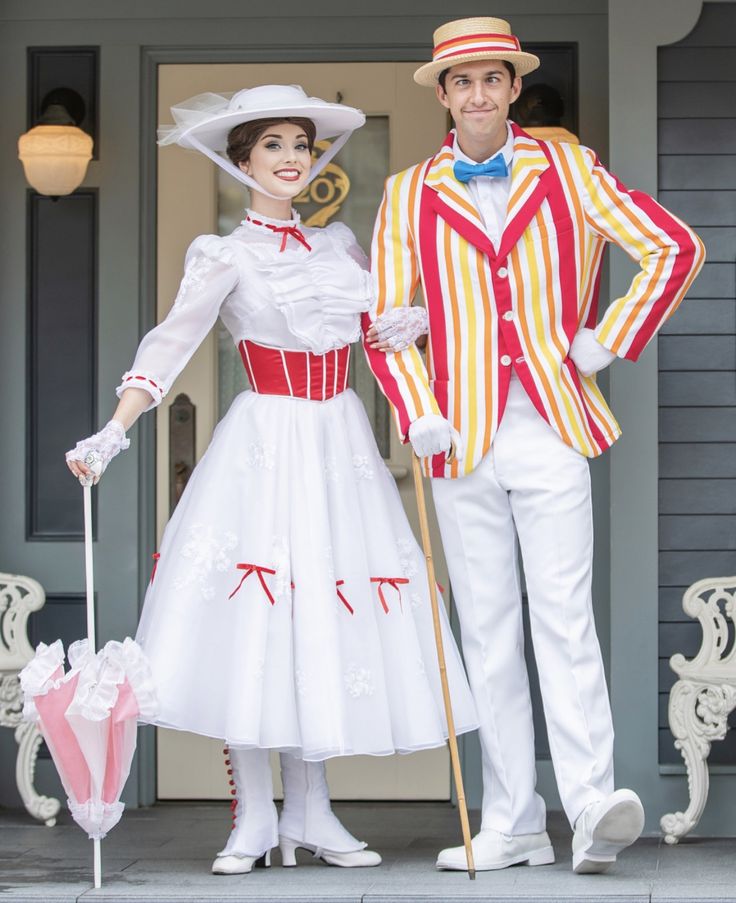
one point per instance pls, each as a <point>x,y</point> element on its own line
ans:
<point>697,348</point>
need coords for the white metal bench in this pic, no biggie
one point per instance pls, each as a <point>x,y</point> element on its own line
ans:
<point>19,596</point>
<point>705,694</point>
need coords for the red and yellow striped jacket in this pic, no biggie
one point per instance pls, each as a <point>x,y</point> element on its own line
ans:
<point>520,306</point>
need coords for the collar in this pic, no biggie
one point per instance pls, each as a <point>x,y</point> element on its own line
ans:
<point>507,150</point>
<point>270,221</point>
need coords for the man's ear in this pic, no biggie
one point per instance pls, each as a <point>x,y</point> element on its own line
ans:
<point>442,96</point>
<point>515,88</point>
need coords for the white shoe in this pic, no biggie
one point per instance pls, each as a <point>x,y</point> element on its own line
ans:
<point>604,829</point>
<point>307,819</point>
<point>493,850</point>
<point>355,859</point>
<point>239,865</point>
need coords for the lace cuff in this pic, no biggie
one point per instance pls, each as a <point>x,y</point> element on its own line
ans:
<point>402,326</point>
<point>140,380</point>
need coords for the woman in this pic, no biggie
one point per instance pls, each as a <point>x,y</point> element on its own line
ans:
<point>289,605</point>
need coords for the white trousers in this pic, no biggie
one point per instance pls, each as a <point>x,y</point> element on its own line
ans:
<point>532,485</point>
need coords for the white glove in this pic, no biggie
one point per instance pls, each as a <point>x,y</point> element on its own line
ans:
<point>97,451</point>
<point>432,434</point>
<point>587,353</point>
<point>401,326</point>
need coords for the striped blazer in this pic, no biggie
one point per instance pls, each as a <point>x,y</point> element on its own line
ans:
<point>520,306</point>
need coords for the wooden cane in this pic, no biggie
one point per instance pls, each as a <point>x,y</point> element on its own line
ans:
<point>451,738</point>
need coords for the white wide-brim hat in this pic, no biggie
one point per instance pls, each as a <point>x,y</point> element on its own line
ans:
<point>204,122</point>
<point>471,40</point>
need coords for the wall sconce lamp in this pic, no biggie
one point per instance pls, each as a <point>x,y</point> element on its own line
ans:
<point>55,152</point>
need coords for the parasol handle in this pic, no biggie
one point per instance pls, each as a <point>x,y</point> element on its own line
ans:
<point>89,569</point>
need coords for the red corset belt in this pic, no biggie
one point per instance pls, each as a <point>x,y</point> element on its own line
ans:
<point>301,374</point>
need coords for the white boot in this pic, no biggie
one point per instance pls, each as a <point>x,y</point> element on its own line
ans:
<point>254,830</point>
<point>308,821</point>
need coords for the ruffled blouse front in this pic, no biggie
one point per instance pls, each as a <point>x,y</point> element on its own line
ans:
<point>271,281</point>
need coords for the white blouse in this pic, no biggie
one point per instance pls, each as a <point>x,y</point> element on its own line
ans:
<point>295,298</point>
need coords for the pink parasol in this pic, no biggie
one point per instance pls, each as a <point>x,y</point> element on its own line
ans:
<point>88,715</point>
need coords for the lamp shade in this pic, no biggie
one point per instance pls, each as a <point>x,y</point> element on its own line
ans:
<point>55,158</point>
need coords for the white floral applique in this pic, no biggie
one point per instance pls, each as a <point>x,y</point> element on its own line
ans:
<point>407,558</point>
<point>282,565</point>
<point>359,682</point>
<point>261,455</point>
<point>195,276</point>
<point>206,551</point>
<point>419,662</point>
<point>416,600</point>
<point>362,468</point>
<point>300,682</point>
<point>257,668</point>
<point>330,468</point>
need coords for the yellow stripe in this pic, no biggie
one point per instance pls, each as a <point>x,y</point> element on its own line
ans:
<point>472,359</point>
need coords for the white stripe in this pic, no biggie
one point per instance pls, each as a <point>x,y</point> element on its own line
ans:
<point>250,367</point>
<point>334,381</point>
<point>309,376</point>
<point>324,377</point>
<point>286,372</point>
<point>347,370</point>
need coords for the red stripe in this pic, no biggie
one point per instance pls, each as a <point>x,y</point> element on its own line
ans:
<point>568,274</point>
<point>484,36</point>
<point>386,380</point>
<point>686,255</point>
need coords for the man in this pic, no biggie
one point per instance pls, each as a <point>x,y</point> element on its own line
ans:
<point>505,234</point>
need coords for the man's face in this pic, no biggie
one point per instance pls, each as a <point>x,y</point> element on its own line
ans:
<point>478,96</point>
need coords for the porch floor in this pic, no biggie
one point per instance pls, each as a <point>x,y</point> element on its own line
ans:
<point>164,854</point>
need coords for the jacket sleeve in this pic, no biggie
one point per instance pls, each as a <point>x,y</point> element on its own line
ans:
<point>209,276</point>
<point>667,251</point>
<point>401,375</point>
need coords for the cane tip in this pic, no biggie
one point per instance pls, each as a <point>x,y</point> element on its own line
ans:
<point>471,874</point>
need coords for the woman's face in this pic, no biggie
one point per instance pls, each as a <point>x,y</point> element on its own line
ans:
<point>280,160</point>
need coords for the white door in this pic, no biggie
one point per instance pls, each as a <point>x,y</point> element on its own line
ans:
<point>405,125</point>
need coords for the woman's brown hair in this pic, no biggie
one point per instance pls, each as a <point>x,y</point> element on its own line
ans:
<point>243,138</point>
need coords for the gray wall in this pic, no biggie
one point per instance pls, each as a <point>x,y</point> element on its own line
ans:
<point>636,31</point>
<point>697,349</point>
<point>132,36</point>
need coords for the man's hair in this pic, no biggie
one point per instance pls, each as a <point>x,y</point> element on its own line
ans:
<point>244,137</point>
<point>443,75</point>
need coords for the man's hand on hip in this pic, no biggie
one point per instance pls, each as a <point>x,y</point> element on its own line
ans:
<point>432,434</point>
<point>587,353</point>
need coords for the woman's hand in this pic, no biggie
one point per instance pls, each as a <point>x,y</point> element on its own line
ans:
<point>397,329</point>
<point>89,457</point>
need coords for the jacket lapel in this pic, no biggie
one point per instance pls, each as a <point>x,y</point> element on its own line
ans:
<point>452,201</point>
<point>529,187</point>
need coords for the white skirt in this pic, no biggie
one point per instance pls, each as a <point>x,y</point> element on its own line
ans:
<point>289,608</point>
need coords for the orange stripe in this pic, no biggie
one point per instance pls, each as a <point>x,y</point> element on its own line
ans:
<point>410,213</point>
<point>381,263</point>
<point>653,283</point>
<point>456,329</point>
<point>530,349</point>
<point>513,201</point>
<point>572,194</point>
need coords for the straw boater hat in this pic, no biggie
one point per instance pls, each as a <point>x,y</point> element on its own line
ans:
<point>468,40</point>
<point>204,122</point>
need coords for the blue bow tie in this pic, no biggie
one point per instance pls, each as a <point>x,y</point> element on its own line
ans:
<point>464,172</point>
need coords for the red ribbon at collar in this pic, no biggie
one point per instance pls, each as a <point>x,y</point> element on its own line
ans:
<point>284,231</point>
<point>392,581</point>
<point>258,569</point>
